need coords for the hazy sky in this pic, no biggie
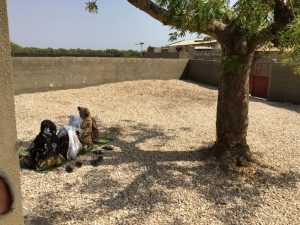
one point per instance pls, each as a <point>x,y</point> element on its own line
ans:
<point>66,24</point>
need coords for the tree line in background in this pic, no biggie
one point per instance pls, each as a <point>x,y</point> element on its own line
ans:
<point>17,50</point>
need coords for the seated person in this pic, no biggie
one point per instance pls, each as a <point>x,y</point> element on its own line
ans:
<point>89,127</point>
<point>45,150</point>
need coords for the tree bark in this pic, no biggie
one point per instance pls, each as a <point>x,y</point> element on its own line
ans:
<point>231,146</point>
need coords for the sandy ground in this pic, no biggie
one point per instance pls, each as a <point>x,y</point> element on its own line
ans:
<point>156,173</point>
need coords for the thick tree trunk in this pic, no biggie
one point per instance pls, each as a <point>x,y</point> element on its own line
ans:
<point>231,146</point>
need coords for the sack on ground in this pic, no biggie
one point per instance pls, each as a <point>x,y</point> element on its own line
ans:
<point>45,145</point>
<point>68,135</point>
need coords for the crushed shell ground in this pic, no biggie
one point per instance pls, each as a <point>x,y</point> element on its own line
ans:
<point>156,173</point>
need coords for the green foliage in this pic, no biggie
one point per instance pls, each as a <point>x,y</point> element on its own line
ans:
<point>194,15</point>
<point>289,41</point>
<point>91,6</point>
<point>15,49</point>
<point>253,16</point>
<point>296,70</point>
<point>208,38</point>
<point>250,17</point>
<point>290,45</point>
<point>233,64</point>
<point>264,21</point>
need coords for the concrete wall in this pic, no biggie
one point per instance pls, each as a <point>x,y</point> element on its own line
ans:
<point>33,74</point>
<point>284,85</point>
<point>9,163</point>
<point>171,52</point>
<point>205,54</point>
<point>167,55</point>
<point>204,71</point>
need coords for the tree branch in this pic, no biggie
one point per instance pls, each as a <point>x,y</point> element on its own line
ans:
<point>154,11</point>
<point>283,15</point>
<point>214,28</point>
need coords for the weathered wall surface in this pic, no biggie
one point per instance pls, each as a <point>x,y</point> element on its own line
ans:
<point>204,71</point>
<point>33,74</point>
<point>9,163</point>
<point>284,84</point>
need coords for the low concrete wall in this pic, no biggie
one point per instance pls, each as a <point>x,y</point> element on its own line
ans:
<point>33,74</point>
<point>204,71</point>
<point>284,85</point>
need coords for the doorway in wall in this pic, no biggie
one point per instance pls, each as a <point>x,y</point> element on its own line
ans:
<point>259,79</point>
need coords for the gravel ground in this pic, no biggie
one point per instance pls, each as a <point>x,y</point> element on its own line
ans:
<point>156,173</point>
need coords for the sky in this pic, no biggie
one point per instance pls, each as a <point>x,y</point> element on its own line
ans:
<point>66,24</point>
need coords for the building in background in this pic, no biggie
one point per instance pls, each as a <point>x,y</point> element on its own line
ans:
<point>184,49</point>
<point>202,49</point>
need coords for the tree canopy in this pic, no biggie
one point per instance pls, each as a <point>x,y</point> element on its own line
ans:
<point>257,21</point>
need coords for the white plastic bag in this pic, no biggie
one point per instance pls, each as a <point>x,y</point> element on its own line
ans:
<point>75,121</point>
<point>74,144</point>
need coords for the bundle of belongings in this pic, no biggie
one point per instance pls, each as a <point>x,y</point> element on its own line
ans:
<point>51,148</point>
<point>45,149</point>
<point>69,136</point>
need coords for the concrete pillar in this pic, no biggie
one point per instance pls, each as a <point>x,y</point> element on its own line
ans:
<point>9,163</point>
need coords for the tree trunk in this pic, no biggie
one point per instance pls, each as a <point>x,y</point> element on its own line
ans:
<point>231,146</point>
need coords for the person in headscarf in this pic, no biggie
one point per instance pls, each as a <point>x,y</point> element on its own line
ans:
<point>90,132</point>
<point>45,149</point>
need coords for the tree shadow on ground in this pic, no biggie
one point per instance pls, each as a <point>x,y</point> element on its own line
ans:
<point>168,170</point>
<point>208,86</point>
<point>283,105</point>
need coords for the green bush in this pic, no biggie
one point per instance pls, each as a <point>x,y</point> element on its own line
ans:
<point>19,50</point>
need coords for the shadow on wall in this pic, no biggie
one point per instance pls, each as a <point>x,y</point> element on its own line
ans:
<point>204,71</point>
<point>148,191</point>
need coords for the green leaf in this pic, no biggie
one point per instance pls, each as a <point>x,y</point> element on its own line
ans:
<point>92,6</point>
<point>23,152</point>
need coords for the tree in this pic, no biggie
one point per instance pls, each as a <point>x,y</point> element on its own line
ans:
<point>17,49</point>
<point>239,29</point>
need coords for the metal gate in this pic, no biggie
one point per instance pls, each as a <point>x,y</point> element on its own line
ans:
<point>259,79</point>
